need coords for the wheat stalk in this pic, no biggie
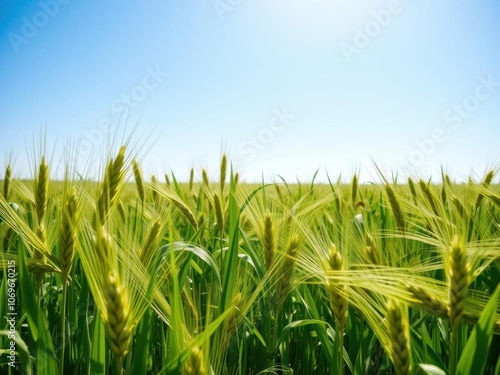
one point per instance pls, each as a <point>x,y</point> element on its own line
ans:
<point>397,212</point>
<point>219,215</point>
<point>458,279</point>
<point>150,242</point>
<point>413,190</point>
<point>399,337</point>
<point>184,209</point>
<point>223,172</point>
<point>138,180</point>
<point>41,190</point>
<point>117,320</point>
<point>268,239</point>
<point>113,179</point>
<point>371,250</point>
<point>287,267</point>
<point>195,364</point>
<point>429,196</point>
<point>427,302</point>
<point>39,268</point>
<point>6,182</point>
<point>337,293</point>
<point>233,318</point>
<point>120,208</point>
<point>104,249</point>
<point>444,196</point>
<point>68,235</point>
<point>41,194</point>
<point>486,182</point>
<point>191,179</point>
<point>201,222</point>
<point>460,208</point>
<point>458,283</point>
<point>204,177</point>
<point>40,233</point>
<point>278,192</point>
<point>354,188</point>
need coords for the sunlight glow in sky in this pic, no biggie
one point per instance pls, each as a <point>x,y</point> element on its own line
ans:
<point>284,87</point>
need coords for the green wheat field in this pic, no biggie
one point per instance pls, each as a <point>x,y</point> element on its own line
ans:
<point>137,274</point>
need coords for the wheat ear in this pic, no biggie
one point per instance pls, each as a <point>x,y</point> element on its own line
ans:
<point>460,208</point>
<point>337,292</point>
<point>117,318</point>
<point>278,192</point>
<point>41,193</point>
<point>371,250</point>
<point>150,243</point>
<point>354,188</point>
<point>458,283</point>
<point>413,190</point>
<point>268,239</point>
<point>233,318</point>
<point>6,182</point>
<point>219,213</point>
<point>191,179</point>
<point>287,270</point>
<point>486,182</point>
<point>458,278</point>
<point>427,302</point>
<point>113,178</point>
<point>223,172</point>
<point>184,209</point>
<point>204,177</point>
<point>429,196</point>
<point>399,337</point>
<point>139,183</point>
<point>397,212</point>
<point>195,364</point>
<point>41,190</point>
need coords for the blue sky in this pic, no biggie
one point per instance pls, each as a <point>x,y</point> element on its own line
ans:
<point>284,87</point>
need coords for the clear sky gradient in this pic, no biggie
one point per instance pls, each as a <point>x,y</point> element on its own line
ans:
<point>284,87</point>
